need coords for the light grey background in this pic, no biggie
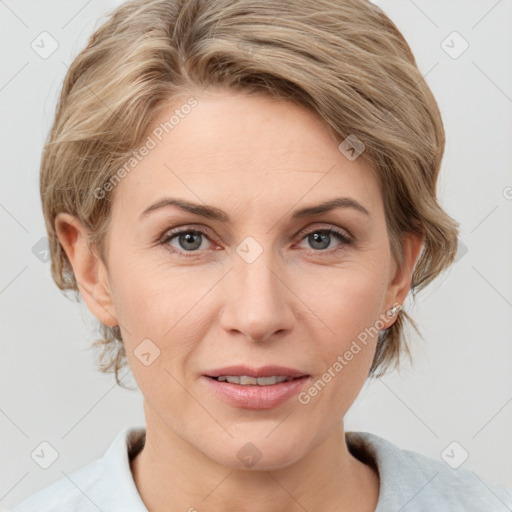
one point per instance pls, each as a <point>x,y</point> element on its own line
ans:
<point>460,388</point>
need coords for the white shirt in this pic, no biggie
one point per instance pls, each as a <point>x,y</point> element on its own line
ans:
<point>409,482</point>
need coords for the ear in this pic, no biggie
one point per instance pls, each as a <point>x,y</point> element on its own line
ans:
<point>400,283</point>
<point>90,272</point>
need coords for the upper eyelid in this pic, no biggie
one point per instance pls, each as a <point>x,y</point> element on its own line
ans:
<point>168,233</point>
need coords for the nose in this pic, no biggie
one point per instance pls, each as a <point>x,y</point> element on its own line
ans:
<point>258,299</point>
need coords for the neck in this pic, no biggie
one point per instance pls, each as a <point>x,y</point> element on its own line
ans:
<point>171,474</point>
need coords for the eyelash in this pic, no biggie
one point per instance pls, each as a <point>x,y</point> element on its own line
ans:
<point>337,233</point>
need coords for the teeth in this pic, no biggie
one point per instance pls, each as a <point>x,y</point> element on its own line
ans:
<point>244,380</point>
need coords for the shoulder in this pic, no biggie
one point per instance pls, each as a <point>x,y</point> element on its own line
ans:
<point>104,484</point>
<point>69,492</point>
<point>420,483</point>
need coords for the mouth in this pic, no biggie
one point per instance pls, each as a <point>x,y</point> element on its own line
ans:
<point>255,373</point>
<point>246,380</point>
<point>255,388</point>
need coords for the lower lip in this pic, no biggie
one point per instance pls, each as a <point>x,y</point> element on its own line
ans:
<point>256,397</point>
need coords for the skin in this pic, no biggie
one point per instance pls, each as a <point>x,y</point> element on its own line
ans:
<point>299,304</point>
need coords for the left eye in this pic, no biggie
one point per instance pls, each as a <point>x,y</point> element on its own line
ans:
<point>318,237</point>
<point>191,240</point>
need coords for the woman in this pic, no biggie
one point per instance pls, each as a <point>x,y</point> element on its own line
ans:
<point>244,194</point>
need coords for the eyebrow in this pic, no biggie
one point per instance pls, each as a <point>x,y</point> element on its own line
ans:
<point>211,212</point>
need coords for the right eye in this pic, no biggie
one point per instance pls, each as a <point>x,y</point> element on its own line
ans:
<point>187,241</point>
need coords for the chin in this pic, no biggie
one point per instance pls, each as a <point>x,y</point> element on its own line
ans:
<point>255,451</point>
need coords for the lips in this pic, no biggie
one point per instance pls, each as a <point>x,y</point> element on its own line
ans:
<point>254,397</point>
<point>255,388</point>
<point>264,371</point>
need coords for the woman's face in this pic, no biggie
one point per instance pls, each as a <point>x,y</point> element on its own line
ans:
<point>256,286</point>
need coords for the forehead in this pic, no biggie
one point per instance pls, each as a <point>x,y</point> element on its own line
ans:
<point>231,147</point>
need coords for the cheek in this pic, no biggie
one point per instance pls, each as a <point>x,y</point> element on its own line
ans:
<point>350,307</point>
<point>349,299</point>
<point>348,351</point>
<point>152,298</point>
<point>163,320</point>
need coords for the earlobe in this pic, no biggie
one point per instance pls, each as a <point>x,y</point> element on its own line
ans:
<point>89,270</point>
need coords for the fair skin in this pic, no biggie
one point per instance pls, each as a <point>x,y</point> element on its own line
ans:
<point>299,304</point>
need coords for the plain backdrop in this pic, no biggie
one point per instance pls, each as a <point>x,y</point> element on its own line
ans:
<point>460,386</point>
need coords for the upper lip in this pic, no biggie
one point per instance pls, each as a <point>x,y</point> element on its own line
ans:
<point>264,371</point>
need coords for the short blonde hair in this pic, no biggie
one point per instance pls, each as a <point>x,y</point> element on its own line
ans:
<point>343,59</point>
